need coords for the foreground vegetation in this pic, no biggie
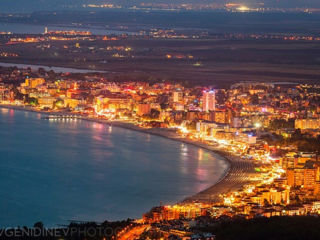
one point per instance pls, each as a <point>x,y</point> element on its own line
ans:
<point>282,228</point>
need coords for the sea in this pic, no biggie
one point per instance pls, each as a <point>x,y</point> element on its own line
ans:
<point>57,171</point>
<point>22,28</point>
<point>49,68</point>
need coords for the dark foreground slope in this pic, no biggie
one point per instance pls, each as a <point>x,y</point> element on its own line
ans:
<point>282,228</point>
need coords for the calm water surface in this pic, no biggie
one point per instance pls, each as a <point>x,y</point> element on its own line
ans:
<point>20,28</point>
<point>55,171</point>
<point>47,68</point>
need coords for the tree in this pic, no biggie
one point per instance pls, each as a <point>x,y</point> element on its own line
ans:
<point>266,202</point>
<point>154,113</point>
<point>281,123</point>
<point>41,71</point>
<point>254,99</point>
<point>38,225</point>
<point>32,101</point>
<point>17,95</point>
<point>297,135</point>
<point>164,106</point>
<point>59,103</point>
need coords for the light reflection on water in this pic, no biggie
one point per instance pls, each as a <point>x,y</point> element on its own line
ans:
<point>58,170</point>
<point>4,110</point>
<point>200,154</point>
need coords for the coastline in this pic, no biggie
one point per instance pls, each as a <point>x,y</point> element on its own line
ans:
<point>48,68</point>
<point>237,174</point>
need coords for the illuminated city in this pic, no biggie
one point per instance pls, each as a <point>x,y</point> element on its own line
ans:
<point>159,120</point>
<point>270,176</point>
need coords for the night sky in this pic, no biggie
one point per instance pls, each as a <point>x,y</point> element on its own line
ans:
<point>34,5</point>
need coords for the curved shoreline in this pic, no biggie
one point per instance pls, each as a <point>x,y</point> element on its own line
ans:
<point>48,68</point>
<point>233,178</point>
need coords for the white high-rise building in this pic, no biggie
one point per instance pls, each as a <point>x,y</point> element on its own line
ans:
<point>177,96</point>
<point>208,101</point>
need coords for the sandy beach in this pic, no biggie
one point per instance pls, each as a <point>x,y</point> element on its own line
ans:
<point>239,172</point>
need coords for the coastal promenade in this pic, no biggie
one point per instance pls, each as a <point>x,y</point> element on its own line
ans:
<point>239,172</point>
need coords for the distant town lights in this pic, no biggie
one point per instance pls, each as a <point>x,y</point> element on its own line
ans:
<point>209,91</point>
<point>243,9</point>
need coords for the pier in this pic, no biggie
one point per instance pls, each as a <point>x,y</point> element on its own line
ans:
<point>61,117</point>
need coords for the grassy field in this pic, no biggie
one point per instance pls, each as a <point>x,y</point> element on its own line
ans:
<point>215,62</point>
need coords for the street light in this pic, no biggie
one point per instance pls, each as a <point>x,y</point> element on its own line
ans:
<point>258,125</point>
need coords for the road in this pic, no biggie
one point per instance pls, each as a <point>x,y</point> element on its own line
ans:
<point>133,233</point>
